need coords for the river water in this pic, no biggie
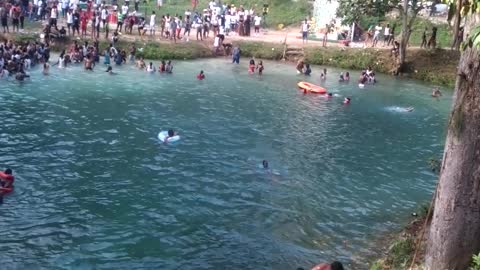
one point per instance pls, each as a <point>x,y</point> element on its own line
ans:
<point>95,189</point>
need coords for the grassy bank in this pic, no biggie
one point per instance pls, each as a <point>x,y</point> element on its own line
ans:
<point>285,12</point>
<point>399,251</point>
<point>436,66</point>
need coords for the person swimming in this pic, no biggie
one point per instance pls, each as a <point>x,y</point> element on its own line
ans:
<point>110,70</point>
<point>347,76</point>
<point>341,78</point>
<point>323,75</point>
<point>150,68</point>
<point>300,66</point>
<point>161,68</point>
<point>329,96</point>
<point>6,183</point>
<point>169,67</point>
<point>260,67</point>
<point>251,67</point>
<point>46,68</point>
<point>265,164</point>
<point>436,92</point>
<point>170,133</point>
<point>307,70</point>
<point>201,75</point>
<point>346,101</point>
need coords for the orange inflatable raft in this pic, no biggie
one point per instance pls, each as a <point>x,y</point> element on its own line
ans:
<point>312,88</point>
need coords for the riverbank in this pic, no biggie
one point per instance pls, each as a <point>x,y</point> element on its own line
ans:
<point>399,248</point>
<point>434,66</point>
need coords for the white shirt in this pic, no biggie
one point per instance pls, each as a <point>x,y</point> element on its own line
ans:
<point>53,13</point>
<point>124,9</point>
<point>152,20</point>
<point>305,27</point>
<point>257,20</point>
<point>387,31</point>
<point>104,14</point>
<point>188,13</point>
<point>216,43</point>
<point>211,4</point>
<point>69,17</point>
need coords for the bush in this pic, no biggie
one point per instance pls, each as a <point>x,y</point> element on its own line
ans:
<point>475,262</point>
<point>400,253</point>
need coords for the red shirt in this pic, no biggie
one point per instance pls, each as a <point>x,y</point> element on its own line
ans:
<point>200,76</point>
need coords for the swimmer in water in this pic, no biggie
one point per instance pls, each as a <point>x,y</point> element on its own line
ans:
<point>200,75</point>
<point>323,75</point>
<point>150,68</point>
<point>260,67</point>
<point>110,70</point>
<point>342,78</point>
<point>329,96</point>
<point>409,109</point>
<point>6,183</point>
<point>171,133</point>
<point>251,67</point>
<point>265,164</point>
<point>347,76</point>
<point>436,92</point>
<point>300,66</point>
<point>46,68</point>
<point>346,101</point>
<point>307,70</point>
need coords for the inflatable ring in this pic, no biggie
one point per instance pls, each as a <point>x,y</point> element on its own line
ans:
<point>163,135</point>
<point>312,88</point>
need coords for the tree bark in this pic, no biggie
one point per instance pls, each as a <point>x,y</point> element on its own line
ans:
<point>455,230</point>
<point>456,25</point>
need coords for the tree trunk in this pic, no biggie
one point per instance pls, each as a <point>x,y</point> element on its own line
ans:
<point>455,230</point>
<point>456,25</point>
<point>405,34</point>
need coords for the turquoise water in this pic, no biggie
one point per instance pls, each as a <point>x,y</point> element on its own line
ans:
<point>96,189</point>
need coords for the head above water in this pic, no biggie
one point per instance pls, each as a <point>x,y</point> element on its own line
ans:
<point>8,171</point>
<point>265,164</point>
<point>336,265</point>
<point>201,71</point>
<point>171,133</point>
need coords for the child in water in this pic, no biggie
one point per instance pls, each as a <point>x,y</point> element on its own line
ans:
<point>169,67</point>
<point>171,133</point>
<point>251,67</point>
<point>150,68</point>
<point>329,96</point>
<point>346,101</point>
<point>46,67</point>
<point>300,66</point>
<point>260,67</point>
<point>200,75</point>
<point>307,70</point>
<point>341,79</point>
<point>347,76</point>
<point>161,68</point>
<point>323,75</point>
<point>110,70</point>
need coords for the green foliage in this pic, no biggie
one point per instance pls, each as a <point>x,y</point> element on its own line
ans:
<point>401,253</point>
<point>182,51</point>
<point>285,12</point>
<point>475,262</point>
<point>354,10</point>
<point>473,40</point>
<point>261,50</point>
<point>377,265</point>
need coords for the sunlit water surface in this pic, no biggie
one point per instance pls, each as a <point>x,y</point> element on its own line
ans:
<point>96,189</point>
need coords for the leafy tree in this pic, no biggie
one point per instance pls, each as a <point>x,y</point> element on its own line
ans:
<point>352,10</point>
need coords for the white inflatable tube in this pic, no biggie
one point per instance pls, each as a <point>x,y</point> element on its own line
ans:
<point>164,135</point>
